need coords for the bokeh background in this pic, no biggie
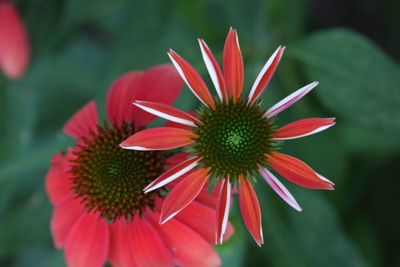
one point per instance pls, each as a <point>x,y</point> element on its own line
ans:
<point>352,47</point>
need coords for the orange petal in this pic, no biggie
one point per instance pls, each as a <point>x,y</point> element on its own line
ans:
<point>223,206</point>
<point>302,128</point>
<point>192,79</point>
<point>183,194</point>
<point>233,65</point>
<point>160,138</point>
<point>298,172</point>
<point>250,210</point>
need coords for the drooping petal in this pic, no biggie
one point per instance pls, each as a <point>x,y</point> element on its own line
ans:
<point>265,75</point>
<point>289,100</point>
<point>297,171</point>
<point>279,188</point>
<point>58,185</point>
<point>64,217</point>
<point>167,112</point>
<point>172,174</point>
<point>148,247</point>
<point>160,84</point>
<point>188,247</point>
<point>160,138</point>
<point>302,128</point>
<point>223,207</point>
<point>250,209</point>
<point>84,120</point>
<point>214,70</point>
<point>192,79</point>
<point>121,253</point>
<point>88,242</point>
<point>14,45</point>
<point>233,65</point>
<point>183,194</point>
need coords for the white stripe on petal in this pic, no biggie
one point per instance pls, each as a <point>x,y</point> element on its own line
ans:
<point>289,100</point>
<point>172,177</point>
<point>210,68</point>
<point>320,129</point>
<point>279,188</point>
<point>324,178</point>
<point>165,115</point>
<point>137,148</point>
<point>180,71</point>
<point>226,213</point>
<point>261,74</point>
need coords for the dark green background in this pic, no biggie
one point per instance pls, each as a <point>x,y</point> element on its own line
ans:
<point>80,46</point>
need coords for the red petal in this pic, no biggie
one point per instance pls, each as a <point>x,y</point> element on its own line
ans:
<point>188,247</point>
<point>121,253</point>
<point>303,128</point>
<point>183,194</point>
<point>172,174</point>
<point>64,216</point>
<point>233,65</point>
<point>80,124</point>
<point>250,210</point>
<point>265,75</point>
<point>192,79</point>
<point>223,206</point>
<point>297,171</point>
<point>177,159</point>
<point>214,70</point>
<point>14,45</point>
<point>58,185</point>
<point>147,245</point>
<point>87,242</point>
<point>160,84</point>
<point>159,139</point>
<point>167,112</point>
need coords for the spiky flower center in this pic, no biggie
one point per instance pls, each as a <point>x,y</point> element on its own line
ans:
<point>110,179</point>
<point>233,138</point>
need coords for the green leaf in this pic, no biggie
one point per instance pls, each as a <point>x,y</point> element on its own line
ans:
<point>358,81</point>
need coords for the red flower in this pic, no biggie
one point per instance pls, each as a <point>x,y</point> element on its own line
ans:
<point>14,46</point>
<point>101,212</point>
<point>232,139</point>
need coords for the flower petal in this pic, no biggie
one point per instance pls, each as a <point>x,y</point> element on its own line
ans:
<point>302,128</point>
<point>58,185</point>
<point>121,253</point>
<point>64,216</point>
<point>14,44</point>
<point>84,120</point>
<point>214,70</point>
<point>192,79</point>
<point>250,210</point>
<point>87,242</point>
<point>265,75</point>
<point>289,100</point>
<point>223,206</point>
<point>147,245</point>
<point>183,194</point>
<point>160,138</point>
<point>160,84</point>
<point>177,159</point>
<point>279,188</point>
<point>297,171</point>
<point>167,112</point>
<point>172,174</point>
<point>188,247</point>
<point>233,65</point>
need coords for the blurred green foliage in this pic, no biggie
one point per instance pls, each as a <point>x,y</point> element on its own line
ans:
<point>80,46</point>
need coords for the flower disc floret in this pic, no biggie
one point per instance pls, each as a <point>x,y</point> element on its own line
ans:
<point>233,138</point>
<point>110,180</point>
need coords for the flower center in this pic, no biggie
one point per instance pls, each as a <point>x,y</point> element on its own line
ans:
<point>110,179</point>
<point>233,138</point>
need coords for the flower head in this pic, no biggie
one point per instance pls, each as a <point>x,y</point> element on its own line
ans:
<point>233,139</point>
<point>101,212</point>
<point>14,46</point>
